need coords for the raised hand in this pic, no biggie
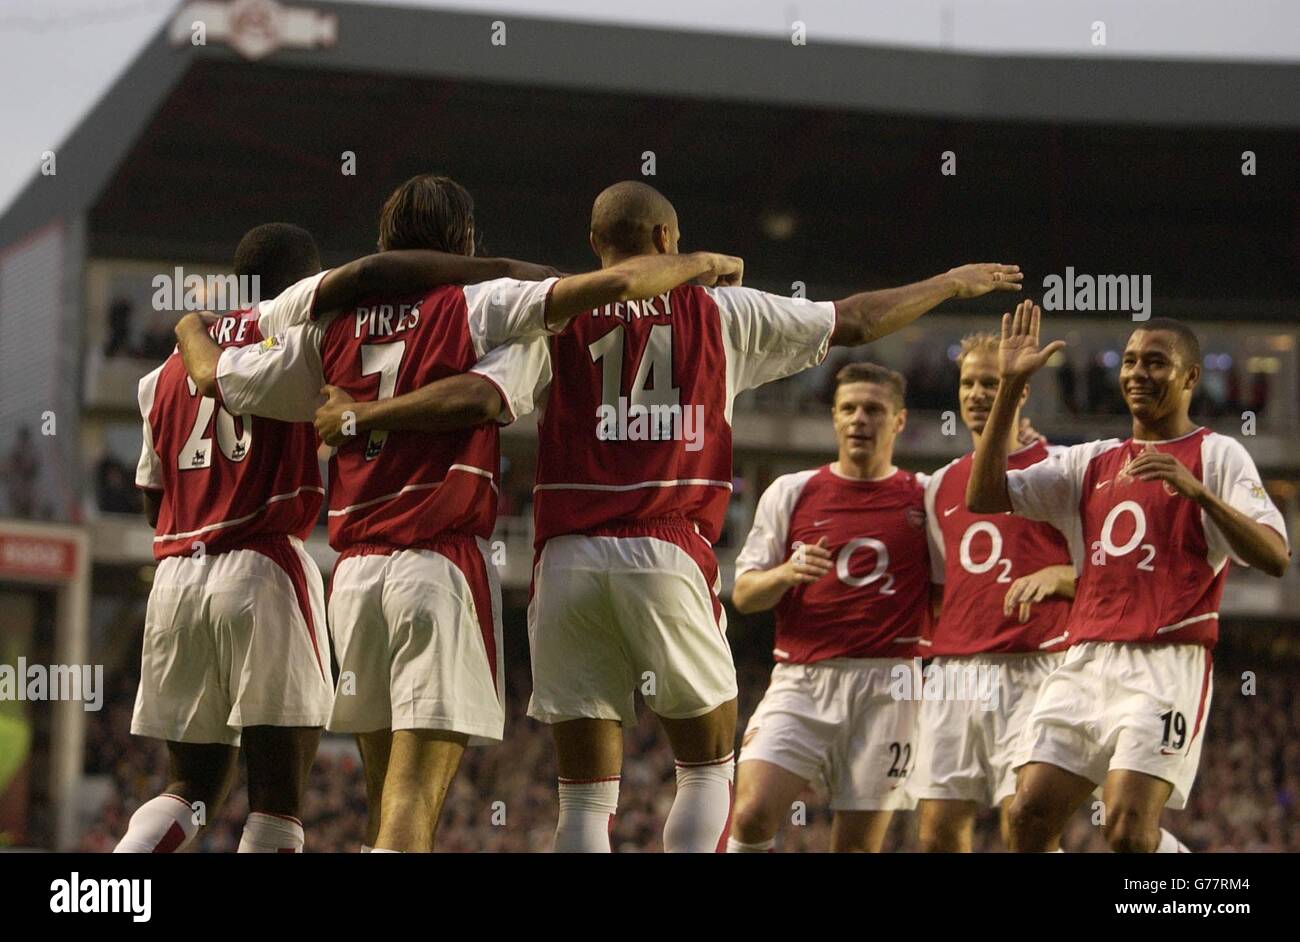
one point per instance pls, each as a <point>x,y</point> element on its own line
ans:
<point>1019,354</point>
<point>971,281</point>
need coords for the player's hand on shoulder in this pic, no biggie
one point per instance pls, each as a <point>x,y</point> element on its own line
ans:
<point>725,271</point>
<point>1158,466</point>
<point>808,563</point>
<point>336,419</point>
<point>971,281</point>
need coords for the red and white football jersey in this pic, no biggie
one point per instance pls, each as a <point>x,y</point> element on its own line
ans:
<point>1153,563</point>
<point>636,425</point>
<point>225,480</point>
<point>874,603</point>
<point>394,489</point>
<point>978,556</point>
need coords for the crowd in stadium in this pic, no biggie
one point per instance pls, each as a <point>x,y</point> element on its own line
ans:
<point>1247,796</point>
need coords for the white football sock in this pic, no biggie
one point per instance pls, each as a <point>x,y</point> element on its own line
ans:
<point>587,811</point>
<point>701,814</point>
<point>271,834</point>
<point>762,847</point>
<point>1170,844</point>
<point>162,825</point>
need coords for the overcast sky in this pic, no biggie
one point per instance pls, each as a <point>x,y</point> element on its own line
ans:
<point>58,56</point>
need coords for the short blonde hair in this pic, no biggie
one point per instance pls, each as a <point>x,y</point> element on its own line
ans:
<point>982,341</point>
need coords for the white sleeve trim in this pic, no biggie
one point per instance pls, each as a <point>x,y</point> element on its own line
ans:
<point>521,373</point>
<point>1229,472</point>
<point>765,546</point>
<point>279,378</point>
<point>291,307</point>
<point>148,471</point>
<point>769,336</point>
<point>938,554</point>
<point>506,309</point>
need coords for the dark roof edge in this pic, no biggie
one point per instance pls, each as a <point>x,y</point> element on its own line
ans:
<point>1089,89</point>
<point>564,54</point>
<point>91,153</point>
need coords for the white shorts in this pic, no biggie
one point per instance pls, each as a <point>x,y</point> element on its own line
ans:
<point>837,722</point>
<point>231,640</point>
<point>611,615</point>
<point>417,634</point>
<point>969,747</point>
<point>1141,707</point>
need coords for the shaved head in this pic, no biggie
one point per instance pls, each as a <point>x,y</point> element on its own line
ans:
<point>624,218</point>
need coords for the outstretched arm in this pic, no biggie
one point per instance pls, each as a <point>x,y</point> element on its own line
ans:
<point>449,404</point>
<point>642,276</point>
<point>199,352</point>
<point>411,270</point>
<point>862,318</point>
<point>1019,357</point>
<point>506,383</point>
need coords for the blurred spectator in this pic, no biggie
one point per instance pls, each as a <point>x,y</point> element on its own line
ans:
<point>158,344</point>
<point>1067,387</point>
<point>115,487</point>
<point>21,470</point>
<point>119,328</point>
<point>1259,393</point>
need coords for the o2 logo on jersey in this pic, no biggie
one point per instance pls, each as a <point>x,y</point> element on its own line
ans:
<point>881,570</point>
<point>994,557</point>
<point>1106,546</point>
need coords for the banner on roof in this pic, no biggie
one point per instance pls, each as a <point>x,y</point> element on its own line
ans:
<point>253,28</point>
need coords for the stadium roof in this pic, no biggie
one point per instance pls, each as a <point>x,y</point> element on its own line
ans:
<point>193,144</point>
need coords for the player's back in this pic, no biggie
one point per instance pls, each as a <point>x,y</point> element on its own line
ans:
<point>407,488</point>
<point>226,480</point>
<point>637,426</point>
